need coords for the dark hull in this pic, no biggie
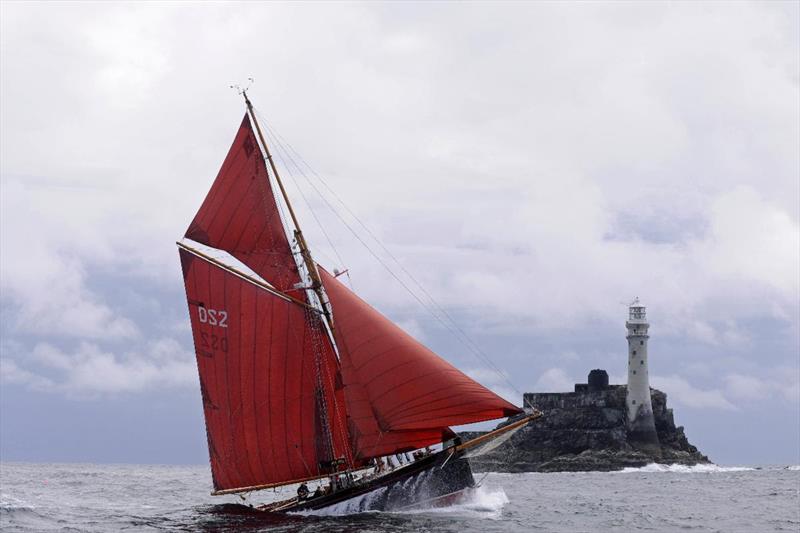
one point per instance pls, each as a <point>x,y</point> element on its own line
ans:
<point>440,479</point>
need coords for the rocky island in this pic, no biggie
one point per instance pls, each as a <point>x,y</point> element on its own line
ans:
<point>588,430</point>
<point>598,426</point>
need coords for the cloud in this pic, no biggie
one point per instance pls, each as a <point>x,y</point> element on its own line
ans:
<point>554,380</point>
<point>681,392</point>
<point>525,177</point>
<point>497,383</point>
<point>413,328</point>
<point>91,371</point>
<point>746,387</point>
<point>11,373</point>
<point>790,389</point>
<point>44,275</point>
<point>753,240</point>
<point>784,386</point>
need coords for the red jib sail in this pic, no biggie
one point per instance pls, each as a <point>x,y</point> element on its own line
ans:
<point>395,384</point>
<point>240,215</point>
<point>367,437</point>
<point>268,377</point>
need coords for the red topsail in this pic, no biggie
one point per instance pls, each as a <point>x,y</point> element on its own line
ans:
<point>240,215</point>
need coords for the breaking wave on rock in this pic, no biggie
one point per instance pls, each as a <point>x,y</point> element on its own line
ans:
<point>685,469</point>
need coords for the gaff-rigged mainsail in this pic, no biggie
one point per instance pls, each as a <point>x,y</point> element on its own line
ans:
<point>268,373</point>
<point>398,392</point>
<point>257,360</point>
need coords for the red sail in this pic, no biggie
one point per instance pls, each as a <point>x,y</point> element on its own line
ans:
<point>268,378</point>
<point>367,437</point>
<point>240,215</point>
<point>397,382</point>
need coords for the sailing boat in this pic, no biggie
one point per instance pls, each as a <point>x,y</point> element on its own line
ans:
<point>303,380</point>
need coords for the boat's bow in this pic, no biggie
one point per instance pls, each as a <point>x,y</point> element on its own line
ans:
<point>489,441</point>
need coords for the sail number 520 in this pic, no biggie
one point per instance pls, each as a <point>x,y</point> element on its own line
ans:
<point>215,317</point>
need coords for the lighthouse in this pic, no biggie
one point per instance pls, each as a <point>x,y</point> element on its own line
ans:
<point>641,425</point>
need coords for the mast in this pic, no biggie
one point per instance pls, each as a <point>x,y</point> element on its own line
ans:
<point>316,282</point>
<point>311,265</point>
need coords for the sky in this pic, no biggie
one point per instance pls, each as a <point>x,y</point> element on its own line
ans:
<point>534,166</point>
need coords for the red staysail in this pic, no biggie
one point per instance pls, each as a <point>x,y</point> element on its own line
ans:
<point>240,215</point>
<point>395,384</point>
<point>267,375</point>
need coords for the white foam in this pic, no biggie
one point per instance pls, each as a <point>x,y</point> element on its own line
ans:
<point>482,502</point>
<point>684,469</point>
<point>793,467</point>
<point>10,503</point>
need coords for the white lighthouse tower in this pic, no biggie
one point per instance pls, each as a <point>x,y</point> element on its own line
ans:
<point>641,424</point>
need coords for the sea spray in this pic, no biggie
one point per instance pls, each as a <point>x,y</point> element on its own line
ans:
<point>481,502</point>
<point>10,503</point>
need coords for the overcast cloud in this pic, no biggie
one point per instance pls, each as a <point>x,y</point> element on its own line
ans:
<point>533,165</point>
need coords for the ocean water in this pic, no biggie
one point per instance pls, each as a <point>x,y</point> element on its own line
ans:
<point>84,497</point>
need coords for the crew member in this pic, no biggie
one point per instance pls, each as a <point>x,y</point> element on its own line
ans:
<point>302,492</point>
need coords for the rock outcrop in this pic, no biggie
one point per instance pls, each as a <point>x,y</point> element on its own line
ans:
<point>585,431</point>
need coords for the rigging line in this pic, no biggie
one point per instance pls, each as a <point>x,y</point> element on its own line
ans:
<point>279,150</point>
<point>358,237</point>
<point>333,209</point>
<point>322,368</point>
<point>264,192</point>
<point>378,258</point>
<point>302,268</point>
<point>459,333</point>
<point>274,135</point>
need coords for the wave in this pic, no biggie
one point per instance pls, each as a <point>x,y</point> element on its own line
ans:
<point>793,467</point>
<point>9,503</point>
<point>684,469</point>
<point>483,502</point>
